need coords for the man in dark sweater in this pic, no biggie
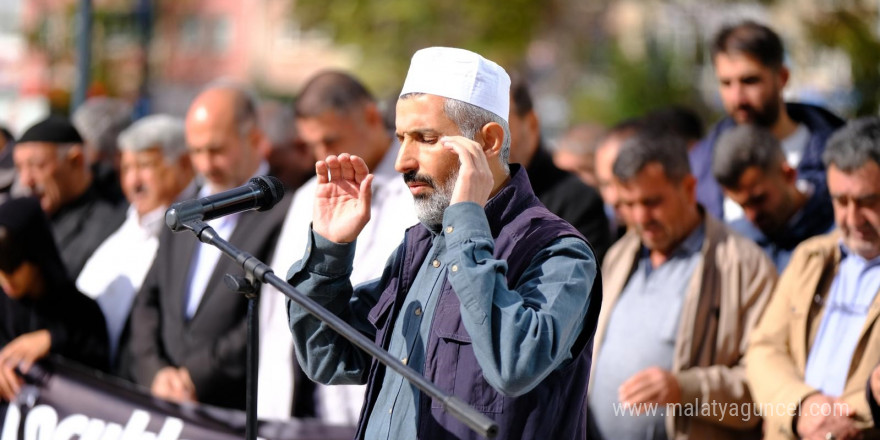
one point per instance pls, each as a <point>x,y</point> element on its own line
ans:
<point>563,193</point>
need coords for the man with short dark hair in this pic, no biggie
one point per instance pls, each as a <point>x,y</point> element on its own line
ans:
<point>751,167</point>
<point>561,192</point>
<point>52,165</point>
<point>816,345</point>
<point>335,114</point>
<point>606,153</point>
<point>682,293</point>
<point>749,64</point>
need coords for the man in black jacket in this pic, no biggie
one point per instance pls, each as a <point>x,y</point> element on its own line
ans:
<point>564,194</point>
<point>51,163</point>
<point>188,331</point>
<point>41,312</point>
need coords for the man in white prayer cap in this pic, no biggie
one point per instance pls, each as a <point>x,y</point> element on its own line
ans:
<point>490,296</point>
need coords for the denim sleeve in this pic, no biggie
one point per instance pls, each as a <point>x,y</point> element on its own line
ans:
<point>323,275</point>
<point>519,336</point>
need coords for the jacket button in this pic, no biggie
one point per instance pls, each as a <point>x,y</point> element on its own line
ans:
<point>449,229</point>
<point>455,268</point>
<point>435,263</point>
<point>403,361</point>
<point>418,311</point>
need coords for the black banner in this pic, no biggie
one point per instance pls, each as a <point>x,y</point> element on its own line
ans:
<point>63,401</point>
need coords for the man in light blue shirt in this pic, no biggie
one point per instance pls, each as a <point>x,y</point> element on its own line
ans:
<point>819,340</point>
<point>681,293</point>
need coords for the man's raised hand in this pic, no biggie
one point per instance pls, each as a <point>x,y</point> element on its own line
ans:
<point>475,181</point>
<point>342,197</point>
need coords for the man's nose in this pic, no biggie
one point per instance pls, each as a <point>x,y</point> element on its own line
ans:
<point>854,217</point>
<point>405,161</point>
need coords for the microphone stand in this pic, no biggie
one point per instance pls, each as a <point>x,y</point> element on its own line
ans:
<point>258,272</point>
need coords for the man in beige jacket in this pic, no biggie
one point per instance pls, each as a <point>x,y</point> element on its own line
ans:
<point>814,349</point>
<point>681,294</point>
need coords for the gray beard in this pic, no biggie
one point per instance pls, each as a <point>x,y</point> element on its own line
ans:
<point>430,209</point>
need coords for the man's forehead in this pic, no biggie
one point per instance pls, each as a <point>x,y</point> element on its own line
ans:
<point>863,181</point>
<point>740,61</point>
<point>141,154</point>
<point>35,150</point>
<point>35,146</point>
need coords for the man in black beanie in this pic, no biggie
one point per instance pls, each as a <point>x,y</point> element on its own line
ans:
<point>41,312</point>
<point>51,165</point>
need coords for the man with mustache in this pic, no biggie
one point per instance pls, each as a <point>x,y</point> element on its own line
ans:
<point>748,59</point>
<point>779,214</point>
<point>51,162</point>
<point>819,339</point>
<point>154,170</point>
<point>682,292</point>
<point>490,296</point>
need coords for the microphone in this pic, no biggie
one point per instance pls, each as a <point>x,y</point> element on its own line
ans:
<point>260,193</point>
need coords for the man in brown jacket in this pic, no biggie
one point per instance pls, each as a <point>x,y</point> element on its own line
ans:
<point>681,294</point>
<point>814,349</point>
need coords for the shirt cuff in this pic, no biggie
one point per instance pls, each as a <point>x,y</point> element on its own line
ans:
<point>326,257</point>
<point>463,221</point>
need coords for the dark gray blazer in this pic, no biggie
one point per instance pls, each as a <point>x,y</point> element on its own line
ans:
<point>211,345</point>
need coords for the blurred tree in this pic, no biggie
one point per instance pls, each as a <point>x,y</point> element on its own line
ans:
<point>635,87</point>
<point>851,31</point>
<point>388,32</point>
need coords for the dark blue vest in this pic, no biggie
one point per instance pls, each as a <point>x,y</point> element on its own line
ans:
<point>555,409</point>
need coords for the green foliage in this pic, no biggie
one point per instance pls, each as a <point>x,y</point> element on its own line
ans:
<point>388,32</point>
<point>850,30</point>
<point>637,86</point>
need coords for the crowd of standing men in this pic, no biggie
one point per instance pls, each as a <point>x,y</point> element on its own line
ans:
<point>600,288</point>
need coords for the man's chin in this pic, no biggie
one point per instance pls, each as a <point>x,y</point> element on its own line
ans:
<point>49,206</point>
<point>866,249</point>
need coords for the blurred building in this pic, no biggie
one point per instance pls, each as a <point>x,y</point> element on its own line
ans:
<point>156,54</point>
<point>255,41</point>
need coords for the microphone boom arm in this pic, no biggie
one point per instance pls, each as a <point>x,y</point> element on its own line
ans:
<point>260,272</point>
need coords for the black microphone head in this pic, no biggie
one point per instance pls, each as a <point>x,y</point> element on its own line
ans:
<point>273,190</point>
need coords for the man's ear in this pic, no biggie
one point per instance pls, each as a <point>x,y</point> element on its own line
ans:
<point>784,74</point>
<point>372,115</point>
<point>689,184</point>
<point>256,138</point>
<point>76,156</point>
<point>493,138</point>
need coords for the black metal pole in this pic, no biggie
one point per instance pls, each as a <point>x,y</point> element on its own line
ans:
<point>259,271</point>
<point>253,365</point>
<point>84,54</point>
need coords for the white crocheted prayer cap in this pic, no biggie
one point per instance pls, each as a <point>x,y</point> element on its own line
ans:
<point>459,74</point>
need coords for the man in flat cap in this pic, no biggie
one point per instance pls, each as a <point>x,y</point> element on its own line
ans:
<point>52,166</point>
<point>490,296</point>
